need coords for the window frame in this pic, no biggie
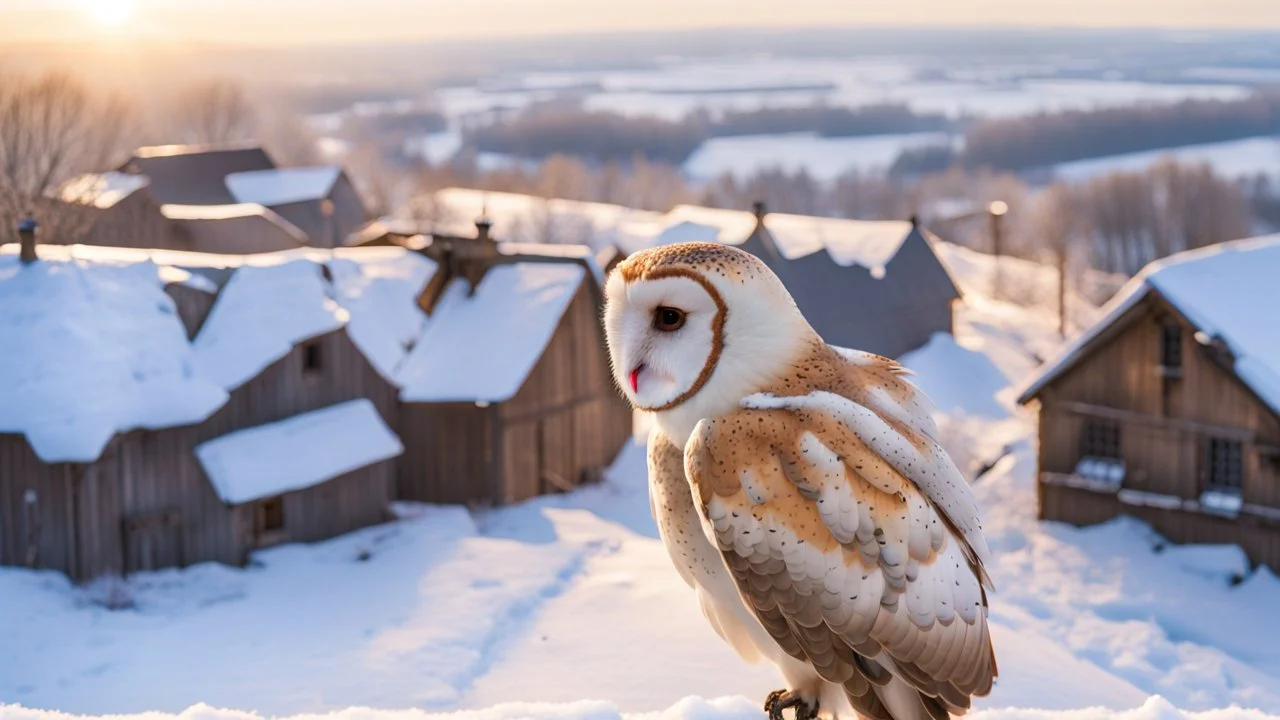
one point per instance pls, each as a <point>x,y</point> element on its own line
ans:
<point>266,512</point>
<point>1171,350</point>
<point>312,358</point>
<point>1101,438</point>
<point>1226,456</point>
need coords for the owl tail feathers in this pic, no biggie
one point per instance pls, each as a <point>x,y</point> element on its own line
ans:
<point>906,703</point>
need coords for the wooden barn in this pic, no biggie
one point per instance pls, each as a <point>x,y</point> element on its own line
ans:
<point>874,286</point>
<point>125,446</point>
<point>508,394</point>
<point>1168,409</point>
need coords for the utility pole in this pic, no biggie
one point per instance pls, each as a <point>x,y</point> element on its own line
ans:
<point>997,209</point>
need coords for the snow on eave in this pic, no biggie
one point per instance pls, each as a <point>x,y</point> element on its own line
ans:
<point>297,453</point>
<point>156,151</point>
<point>282,186</point>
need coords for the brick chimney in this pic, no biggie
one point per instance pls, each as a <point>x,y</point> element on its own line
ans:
<point>27,228</point>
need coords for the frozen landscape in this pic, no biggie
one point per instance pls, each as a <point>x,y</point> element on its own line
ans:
<point>567,606</point>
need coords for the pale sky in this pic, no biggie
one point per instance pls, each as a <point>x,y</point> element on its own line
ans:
<point>312,21</point>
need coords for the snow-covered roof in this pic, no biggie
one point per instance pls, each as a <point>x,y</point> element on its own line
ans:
<point>102,190</point>
<point>92,349</point>
<point>1228,291</point>
<point>871,244</point>
<point>525,218</point>
<point>379,288</point>
<point>482,347</point>
<point>533,219</point>
<point>297,453</point>
<point>283,185</point>
<point>261,313</point>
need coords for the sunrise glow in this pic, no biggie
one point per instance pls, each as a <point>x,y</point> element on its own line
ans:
<point>111,13</point>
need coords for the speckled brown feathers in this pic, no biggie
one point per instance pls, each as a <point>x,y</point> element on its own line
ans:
<point>837,519</point>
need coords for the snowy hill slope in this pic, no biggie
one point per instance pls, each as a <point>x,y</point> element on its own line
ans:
<point>567,607</point>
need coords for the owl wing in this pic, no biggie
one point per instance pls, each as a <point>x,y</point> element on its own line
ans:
<point>855,541</point>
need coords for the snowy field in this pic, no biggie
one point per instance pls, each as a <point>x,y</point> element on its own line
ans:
<point>824,158</point>
<point>1233,159</point>
<point>567,607</point>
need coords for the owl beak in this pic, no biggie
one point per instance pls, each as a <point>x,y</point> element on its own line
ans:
<point>635,378</point>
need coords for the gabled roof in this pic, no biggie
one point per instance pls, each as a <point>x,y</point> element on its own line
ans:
<point>283,185</point>
<point>480,347</point>
<point>195,174</point>
<point>297,453</point>
<point>261,314</point>
<point>102,190</point>
<point>92,349</point>
<point>533,219</point>
<point>236,228</point>
<point>1228,291</point>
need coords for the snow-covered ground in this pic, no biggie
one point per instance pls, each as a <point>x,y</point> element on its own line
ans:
<point>824,158</point>
<point>1232,159</point>
<point>566,606</point>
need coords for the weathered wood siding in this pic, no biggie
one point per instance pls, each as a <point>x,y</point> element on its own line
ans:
<point>568,421</point>
<point>21,470</point>
<point>135,222</point>
<point>193,306</point>
<point>450,450</point>
<point>348,502</point>
<point>1164,425</point>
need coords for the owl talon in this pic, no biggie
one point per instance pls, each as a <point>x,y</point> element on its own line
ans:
<point>780,700</point>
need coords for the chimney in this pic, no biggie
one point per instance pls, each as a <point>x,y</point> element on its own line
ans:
<point>483,228</point>
<point>758,209</point>
<point>915,221</point>
<point>27,227</point>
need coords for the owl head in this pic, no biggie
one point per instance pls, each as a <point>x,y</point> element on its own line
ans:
<point>696,326</point>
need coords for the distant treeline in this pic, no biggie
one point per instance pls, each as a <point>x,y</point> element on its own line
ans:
<point>1050,138</point>
<point>828,121</point>
<point>602,136</point>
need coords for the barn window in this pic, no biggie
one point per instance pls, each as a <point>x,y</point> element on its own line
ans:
<point>1101,439</point>
<point>271,514</point>
<point>1171,348</point>
<point>312,358</point>
<point>1225,465</point>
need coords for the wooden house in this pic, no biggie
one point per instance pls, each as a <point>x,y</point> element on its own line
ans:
<point>125,446</point>
<point>1168,409</point>
<point>507,394</point>
<point>216,200</point>
<point>874,286</point>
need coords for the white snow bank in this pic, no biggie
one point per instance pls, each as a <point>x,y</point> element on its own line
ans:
<point>259,316</point>
<point>1227,291</point>
<point>481,347</point>
<point>297,453</point>
<point>691,708</point>
<point>283,185</point>
<point>379,288</point>
<point>956,378</point>
<point>90,349</point>
<point>533,219</point>
<point>103,190</point>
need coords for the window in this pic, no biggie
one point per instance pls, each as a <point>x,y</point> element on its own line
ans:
<point>1224,465</point>
<point>1171,346</point>
<point>312,358</point>
<point>271,515</point>
<point>1101,439</point>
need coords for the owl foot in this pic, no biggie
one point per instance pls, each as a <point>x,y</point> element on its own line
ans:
<point>780,700</point>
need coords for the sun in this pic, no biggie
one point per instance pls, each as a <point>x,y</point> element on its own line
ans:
<point>111,13</point>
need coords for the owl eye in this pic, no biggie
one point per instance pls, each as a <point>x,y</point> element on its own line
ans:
<point>668,319</point>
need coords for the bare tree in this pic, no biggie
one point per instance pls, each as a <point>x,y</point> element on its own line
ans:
<point>214,112</point>
<point>1055,223</point>
<point>51,129</point>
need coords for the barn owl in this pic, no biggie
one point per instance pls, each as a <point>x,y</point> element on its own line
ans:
<point>800,491</point>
